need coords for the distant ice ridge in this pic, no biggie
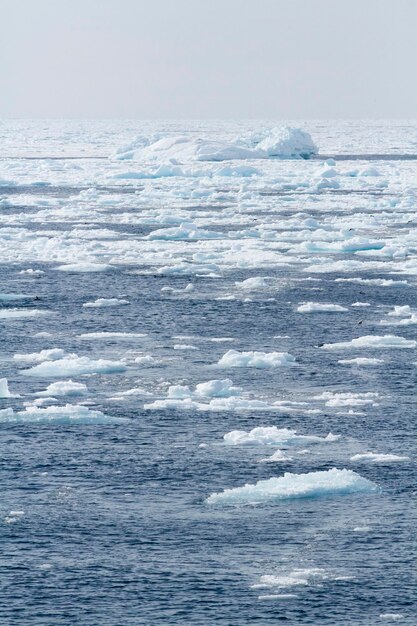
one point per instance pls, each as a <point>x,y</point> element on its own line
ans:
<point>333,482</point>
<point>282,142</point>
<point>58,415</point>
<point>271,435</point>
<point>73,365</point>
<point>234,358</point>
<point>372,341</point>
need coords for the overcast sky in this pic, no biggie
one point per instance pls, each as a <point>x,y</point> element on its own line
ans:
<point>208,58</point>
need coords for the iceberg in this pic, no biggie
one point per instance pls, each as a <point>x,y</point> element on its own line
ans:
<point>333,482</point>
<point>282,142</point>
<point>271,435</point>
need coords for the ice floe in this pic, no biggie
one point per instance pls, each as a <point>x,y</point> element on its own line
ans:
<point>317,307</point>
<point>58,415</point>
<point>375,457</point>
<point>105,302</point>
<point>234,358</point>
<point>74,365</point>
<point>333,482</point>
<point>372,341</point>
<point>64,388</point>
<point>272,435</point>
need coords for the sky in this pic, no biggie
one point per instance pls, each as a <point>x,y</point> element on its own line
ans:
<point>197,59</point>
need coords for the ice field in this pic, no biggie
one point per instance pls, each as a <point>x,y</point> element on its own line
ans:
<point>208,373</point>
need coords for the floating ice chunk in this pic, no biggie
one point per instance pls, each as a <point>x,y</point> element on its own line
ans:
<point>316,307</point>
<point>234,358</point>
<point>361,304</point>
<point>43,335</point>
<point>401,311</point>
<point>333,482</point>
<point>278,457</point>
<point>379,282</point>
<point>32,272</point>
<point>179,391</point>
<point>4,389</point>
<point>271,435</point>
<point>257,282</point>
<point>58,414</point>
<point>38,357</point>
<point>12,314</point>
<point>347,398</point>
<point>372,341</point>
<point>185,346</point>
<point>392,617</point>
<point>84,267</point>
<point>104,302</point>
<point>146,359</point>
<point>217,389</point>
<point>111,335</point>
<point>296,577</point>
<point>361,361</point>
<point>64,388</point>
<point>75,366</point>
<point>375,457</point>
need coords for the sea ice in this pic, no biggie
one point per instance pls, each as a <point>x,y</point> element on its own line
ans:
<point>234,358</point>
<point>315,307</point>
<point>333,482</point>
<point>105,302</point>
<point>376,457</point>
<point>372,341</point>
<point>271,435</point>
<point>75,366</point>
<point>64,388</point>
<point>58,415</point>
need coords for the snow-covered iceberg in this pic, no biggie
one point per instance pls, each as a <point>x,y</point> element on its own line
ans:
<point>282,142</point>
<point>234,358</point>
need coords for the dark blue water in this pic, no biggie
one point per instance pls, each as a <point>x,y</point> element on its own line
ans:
<point>115,529</point>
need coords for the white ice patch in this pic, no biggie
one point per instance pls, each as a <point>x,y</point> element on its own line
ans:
<point>105,302</point>
<point>317,307</point>
<point>84,267</point>
<point>256,282</point>
<point>234,358</point>
<point>361,361</point>
<point>342,399</point>
<point>38,357</point>
<point>15,314</point>
<point>64,388</point>
<point>75,366</point>
<point>271,435</point>
<point>333,482</point>
<point>111,335</point>
<point>4,389</point>
<point>372,341</point>
<point>58,415</point>
<point>295,578</point>
<point>375,457</point>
